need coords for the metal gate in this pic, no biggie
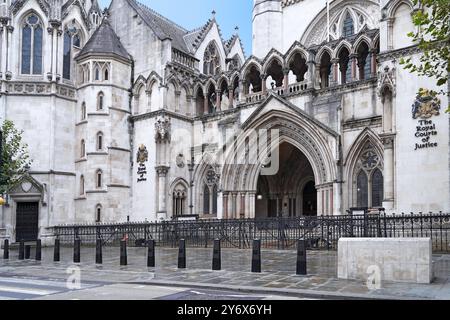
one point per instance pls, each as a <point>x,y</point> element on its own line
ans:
<point>27,221</point>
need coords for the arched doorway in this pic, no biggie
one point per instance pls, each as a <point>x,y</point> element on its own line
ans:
<point>310,199</point>
<point>291,191</point>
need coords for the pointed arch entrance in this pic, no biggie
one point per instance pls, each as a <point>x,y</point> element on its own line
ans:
<point>291,191</point>
<point>304,147</point>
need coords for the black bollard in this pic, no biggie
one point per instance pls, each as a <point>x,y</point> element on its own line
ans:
<point>56,252</point>
<point>301,257</point>
<point>77,251</point>
<point>217,259</point>
<point>151,254</point>
<point>38,255</point>
<point>123,253</point>
<point>6,249</point>
<point>182,255</point>
<point>27,252</point>
<point>98,252</point>
<point>256,256</point>
<point>21,250</point>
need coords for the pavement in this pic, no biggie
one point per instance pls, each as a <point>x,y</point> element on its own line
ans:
<point>46,279</point>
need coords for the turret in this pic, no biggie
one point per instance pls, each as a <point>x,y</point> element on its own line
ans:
<point>267,26</point>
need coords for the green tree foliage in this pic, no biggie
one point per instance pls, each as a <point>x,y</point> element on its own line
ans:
<point>432,35</point>
<point>14,156</point>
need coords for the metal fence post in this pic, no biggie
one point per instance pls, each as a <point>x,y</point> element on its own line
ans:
<point>98,251</point>
<point>21,250</point>
<point>38,255</point>
<point>256,256</point>
<point>151,254</point>
<point>123,253</point>
<point>77,251</point>
<point>301,257</point>
<point>56,251</point>
<point>6,249</point>
<point>217,259</point>
<point>182,255</point>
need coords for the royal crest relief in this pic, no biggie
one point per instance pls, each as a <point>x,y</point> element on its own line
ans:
<point>427,104</point>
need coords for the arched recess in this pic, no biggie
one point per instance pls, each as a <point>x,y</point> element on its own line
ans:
<point>179,194</point>
<point>402,25</point>
<point>363,158</point>
<point>153,91</point>
<point>140,98</point>
<point>172,96</point>
<point>206,188</point>
<point>241,174</point>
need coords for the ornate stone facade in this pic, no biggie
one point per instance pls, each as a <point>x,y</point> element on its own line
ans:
<point>317,120</point>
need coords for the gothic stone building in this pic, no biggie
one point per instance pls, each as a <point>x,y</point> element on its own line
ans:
<point>128,115</point>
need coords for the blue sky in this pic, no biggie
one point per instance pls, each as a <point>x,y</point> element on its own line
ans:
<point>191,14</point>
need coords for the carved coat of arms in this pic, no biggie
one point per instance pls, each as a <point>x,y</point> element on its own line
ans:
<point>142,154</point>
<point>162,128</point>
<point>427,104</point>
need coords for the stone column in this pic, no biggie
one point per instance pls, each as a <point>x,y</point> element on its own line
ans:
<point>218,100</point>
<point>286,79</point>
<point>312,71</point>
<point>225,205</point>
<point>388,174</point>
<point>230,97</point>
<point>373,63</point>
<point>390,33</point>
<point>335,68</point>
<point>252,199</point>
<point>58,41</point>
<point>263,84</point>
<point>242,206</point>
<point>4,52</point>
<point>9,50</point>
<point>177,100</point>
<point>206,105</point>
<point>234,205</point>
<point>162,207</point>
<point>353,66</point>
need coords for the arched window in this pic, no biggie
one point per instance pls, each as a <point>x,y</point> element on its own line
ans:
<point>179,200</point>
<point>369,179</point>
<point>206,200</point>
<point>106,75</point>
<point>97,74</point>
<point>377,188</point>
<point>211,60</point>
<point>99,179</point>
<point>82,185</point>
<point>71,39</point>
<point>325,70</point>
<point>349,26</point>
<point>98,213</point>
<point>363,61</point>
<point>344,67</point>
<point>100,101</point>
<point>362,189</point>
<point>99,141</point>
<point>214,200</point>
<point>83,111</point>
<point>82,149</point>
<point>32,45</point>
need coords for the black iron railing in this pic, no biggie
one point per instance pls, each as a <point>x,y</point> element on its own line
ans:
<point>275,233</point>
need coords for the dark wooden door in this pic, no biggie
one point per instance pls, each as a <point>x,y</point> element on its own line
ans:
<point>27,221</point>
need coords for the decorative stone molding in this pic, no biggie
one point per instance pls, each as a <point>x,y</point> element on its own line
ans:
<point>388,140</point>
<point>162,129</point>
<point>162,171</point>
<point>386,78</point>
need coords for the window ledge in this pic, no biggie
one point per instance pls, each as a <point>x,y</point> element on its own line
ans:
<point>81,123</point>
<point>81,160</point>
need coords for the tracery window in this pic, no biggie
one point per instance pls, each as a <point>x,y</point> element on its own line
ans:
<point>349,26</point>
<point>211,60</point>
<point>71,39</point>
<point>32,35</point>
<point>369,179</point>
<point>179,196</point>
<point>210,192</point>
